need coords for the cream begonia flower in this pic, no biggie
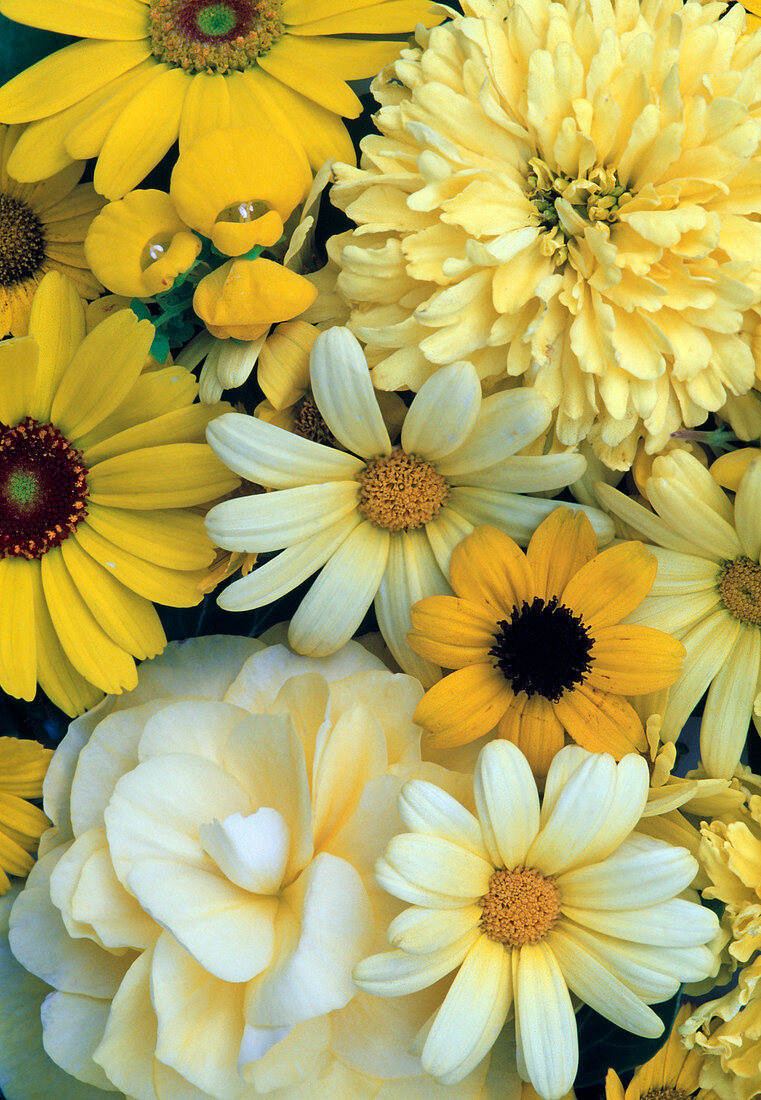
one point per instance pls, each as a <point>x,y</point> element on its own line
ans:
<point>707,593</point>
<point>210,874</point>
<point>566,195</point>
<point>381,526</point>
<point>531,904</point>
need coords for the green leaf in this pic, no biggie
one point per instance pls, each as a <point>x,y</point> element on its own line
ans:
<point>603,1046</point>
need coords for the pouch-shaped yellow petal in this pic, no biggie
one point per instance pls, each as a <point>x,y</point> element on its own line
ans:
<point>452,632</point>
<point>464,705</point>
<point>489,568</point>
<point>634,660</point>
<point>242,298</point>
<point>611,585</point>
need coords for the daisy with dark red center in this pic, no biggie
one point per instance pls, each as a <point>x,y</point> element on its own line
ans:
<point>153,71</point>
<point>101,468</point>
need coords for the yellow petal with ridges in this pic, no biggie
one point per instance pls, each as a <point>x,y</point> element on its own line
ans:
<point>155,393</point>
<point>85,139</point>
<point>601,722</point>
<point>155,582</point>
<point>104,369</point>
<point>532,725</point>
<point>94,655</point>
<point>119,19</point>
<point>175,539</point>
<point>634,660</point>
<point>320,132</point>
<point>18,650</point>
<point>289,62</point>
<point>464,705</point>
<point>452,632</point>
<point>388,17</point>
<point>206,107</point>
<point>489,568</point>
<point>611,585</point>
<point>283,364</point>
<point>176,475</point>
<point>181,426</point>
<point>57,322</point>
<point>559,547</point>
<point>47,87</point>
<point>18,376</point>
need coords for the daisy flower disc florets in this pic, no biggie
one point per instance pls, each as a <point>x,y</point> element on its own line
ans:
<point>530,904</point>
<point>565,194</point>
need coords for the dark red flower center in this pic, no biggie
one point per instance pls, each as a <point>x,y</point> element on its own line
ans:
<point>214,36</point>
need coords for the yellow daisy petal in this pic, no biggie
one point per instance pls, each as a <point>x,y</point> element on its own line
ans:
<point>384,18</point>
<point>176,475</point>
<point>175,539</point>
<point>532,725</point>
<point>289,62</point>
<point>634,660</point>
<point>57,322</point>
<point>464,705</point>
<point>155,582</point>
<point>18,651</point>
<point>451,631</point>
<point>206,107</point>
<point>18,375</point>
<point>121,19</point>
<point>559,547</point>
<point>600,722</point>
<point>321,133</point>
<point>488,567</point>
<point>611,585</point>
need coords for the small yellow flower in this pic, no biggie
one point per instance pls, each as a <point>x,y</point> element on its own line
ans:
<point>243,298</point>
<point>42,228</point>
<point>537,642</point>
<point>673,1074</point>
<point>22,769</point>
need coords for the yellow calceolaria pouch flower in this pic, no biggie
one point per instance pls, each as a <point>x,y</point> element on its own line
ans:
<point>532,204</point>
<point>209,880</point>
<point>103,467</point>
<point>243,298</point>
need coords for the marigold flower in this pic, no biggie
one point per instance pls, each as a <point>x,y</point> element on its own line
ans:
<point>565,194</point>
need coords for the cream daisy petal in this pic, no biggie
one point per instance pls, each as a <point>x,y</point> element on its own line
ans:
<point>638,966</point>
<point>411,574</point>
<point>686,512</point>
<point>444,533</point>
<point>401,887</point>
<point>439,865</point>
<point>564,764</point>
<point>548,1036</point>
<point>271,456</point>
<point>473,1013</point>
<point>632,783</point>
<point>421,931</point>
<point>503,779</point>
<point>395,973</point>
<point>338,600</point>
<point>629,881</point>
<point>646,523</point>
<point>344,394</point>
<point>681,573</point>
<point>519,515</point>
<point>271,521</point>
<point>747,517</point>
<point>729,705</point>
<point>507,422</point>
<point>526,473</point>
<point>675,923</point>
<point>708,644</point>
<point>443,413</point>
<point>275,578</point>
<point>426,808</point>
<point>590,980</point>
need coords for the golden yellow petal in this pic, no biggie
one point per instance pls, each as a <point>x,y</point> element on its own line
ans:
<point>601,722</point>
<point>532,725</point>
<point>558,548</point>
<point>451,632</point>
<point>634,660</point>
<point>464,705</point>
<point>611,585</point>
<point>489,568</point>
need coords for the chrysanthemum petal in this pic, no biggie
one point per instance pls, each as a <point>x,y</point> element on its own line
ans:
<point>464,705</point>
<point>507,422</point>
<point>395,973</point>
<point>132,147</point>
<point>443,412</point>
<point>503,778</point>
<point>426,808</point>
<point>723,729</point>
<point>489,568</point>
<point>634,660</point>
<point>57,322</point>
<point>267,455</point>
<point>18,649</point>
<point>601,722</point>
<point>709,644</point>
<point>344,394</point>
<point>559,547</point>
<point>590,980</point>
<point>548,1036</point>
<point>339,598</point>
<point>271,521</point>
<point>611,585</point>
<point>411,574</point>
<point>474,1010</point>
<point>451,631</point>
<point>676,923</point>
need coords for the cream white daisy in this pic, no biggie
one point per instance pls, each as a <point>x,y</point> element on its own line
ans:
<point>707,593</point>
<point>381,521</point>
<point>535,903</point>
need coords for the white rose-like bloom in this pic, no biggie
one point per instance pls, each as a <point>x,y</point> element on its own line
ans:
<point>380,522</point>
<point>567,194</point>
<point>527,902</point>
<point>208,884</point>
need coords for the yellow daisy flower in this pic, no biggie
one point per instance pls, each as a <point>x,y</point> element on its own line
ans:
<point>537,642</point>
<point>152,71</point>
<point>42,228</point>
<point>528,904</point>
<point>101,470</point>
<point>380,521</point>
<point>548,199</point>
<point>22,769</point>
<point>673,1074</point>
<point>707,593</point>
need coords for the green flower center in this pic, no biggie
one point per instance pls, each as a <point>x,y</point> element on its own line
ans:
<point>22,241</point>
<point>43,489</point>
<point>213,37</point>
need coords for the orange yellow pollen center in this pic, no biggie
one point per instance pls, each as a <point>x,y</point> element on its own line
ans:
<point>401,492</point>
<point>520,907</point>
<point>740,589</point>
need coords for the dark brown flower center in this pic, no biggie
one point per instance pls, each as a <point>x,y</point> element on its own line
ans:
<point>543,649</point>
<point>308,422</point>
<point>22,241</point>
<point>521,906</point>
<point>43,489</point>
<point>213,37</point>
<point>740,589</point>
<point>666,1092</point>
<point>401,492</point>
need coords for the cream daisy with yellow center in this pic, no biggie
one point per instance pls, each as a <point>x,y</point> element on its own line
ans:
<point>379,520</point>
<point>707,593</point>
<point>530,904</point>
<point>563,193</point>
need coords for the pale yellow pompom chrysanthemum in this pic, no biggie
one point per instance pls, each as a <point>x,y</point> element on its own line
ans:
<point>562,193</point>
<point>527,903</point>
